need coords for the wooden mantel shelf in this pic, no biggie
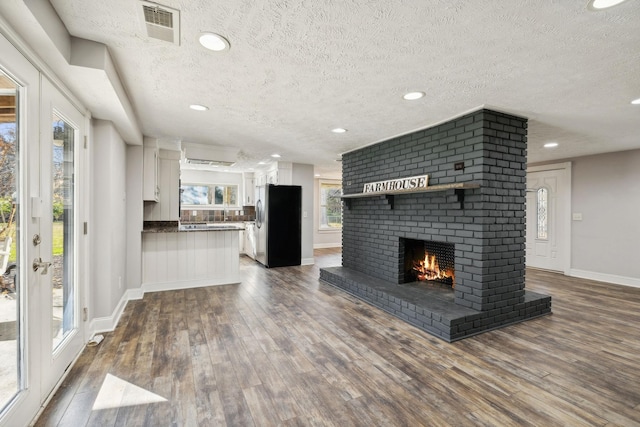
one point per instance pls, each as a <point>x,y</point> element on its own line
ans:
<point>459,188</point>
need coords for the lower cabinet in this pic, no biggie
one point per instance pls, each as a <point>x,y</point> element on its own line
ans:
<point>184,259</point>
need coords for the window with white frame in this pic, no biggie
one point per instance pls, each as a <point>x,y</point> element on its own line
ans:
<point>330,205</point>
<point>209,195</point>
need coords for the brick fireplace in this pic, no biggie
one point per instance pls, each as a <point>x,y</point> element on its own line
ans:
<point>476,167</point>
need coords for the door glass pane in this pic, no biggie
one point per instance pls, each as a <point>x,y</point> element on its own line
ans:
<point>62,268</point>
<point>543,196</point>
<point>10,318</point>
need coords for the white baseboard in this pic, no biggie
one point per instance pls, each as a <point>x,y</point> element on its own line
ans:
<point>109,323</point>
<point>604,277</point>
<point>307,261</point>
<point>327,245</point>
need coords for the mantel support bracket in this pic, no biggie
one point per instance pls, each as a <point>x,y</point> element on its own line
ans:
<point>460,194</point>
<point>391,200</point>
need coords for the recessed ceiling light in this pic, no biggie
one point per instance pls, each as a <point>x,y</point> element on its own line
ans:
<point>317,175</point>
<point>636,101</point>
<point>262,163</point>
<point>276,156</point>
<point>412,96</point>
<point>338,130</point>
<point>198,107</point>
<point>603,4</point>
<point>550,145</point>
<point>214,42</point>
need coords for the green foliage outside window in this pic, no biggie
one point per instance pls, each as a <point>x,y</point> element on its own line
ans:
<point>330,206</point>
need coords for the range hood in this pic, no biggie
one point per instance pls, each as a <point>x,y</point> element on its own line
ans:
<point>212,163</point>
<point>207,155</point>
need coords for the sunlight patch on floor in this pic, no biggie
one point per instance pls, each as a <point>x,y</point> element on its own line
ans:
<point>118,393</point>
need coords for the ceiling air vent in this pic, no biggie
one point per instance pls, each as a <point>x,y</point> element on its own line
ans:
<point>161,22</point>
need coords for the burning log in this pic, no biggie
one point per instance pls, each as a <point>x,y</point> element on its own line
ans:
<point>428,269</point>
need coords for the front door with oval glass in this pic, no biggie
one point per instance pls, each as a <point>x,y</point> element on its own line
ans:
<point>544,212</point>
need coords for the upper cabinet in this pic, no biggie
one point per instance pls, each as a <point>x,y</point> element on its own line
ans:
<point>249,189</point>
<point>150,189</point>
<point>280,173</point>
<point>167,207</point>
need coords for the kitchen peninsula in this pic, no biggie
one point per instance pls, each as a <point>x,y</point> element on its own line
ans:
<point>188,256</point>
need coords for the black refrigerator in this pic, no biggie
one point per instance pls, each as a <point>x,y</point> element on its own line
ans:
<point>278,228</point>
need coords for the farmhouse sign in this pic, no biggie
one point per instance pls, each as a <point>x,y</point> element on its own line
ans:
<point>399,184</point>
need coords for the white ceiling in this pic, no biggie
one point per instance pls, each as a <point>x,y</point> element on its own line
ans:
<point>297,69</point>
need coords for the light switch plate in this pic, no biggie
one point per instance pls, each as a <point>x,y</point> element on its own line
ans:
<point>577,217</point>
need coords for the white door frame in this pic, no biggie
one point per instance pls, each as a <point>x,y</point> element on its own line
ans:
<point>25,406</point>
<point>55,363</point>
<point>564,223</point>
<point>28,399</point>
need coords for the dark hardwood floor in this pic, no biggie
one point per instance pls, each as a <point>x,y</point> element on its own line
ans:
<point>284,349</point>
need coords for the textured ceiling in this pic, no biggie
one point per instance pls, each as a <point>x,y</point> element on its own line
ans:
<point>296,69</point>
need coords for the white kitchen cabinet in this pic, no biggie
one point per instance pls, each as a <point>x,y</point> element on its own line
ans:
<point>249,246</point>
<point>167,207</point>
<point>272,176</point>
<point>150,188</point>
<point>249,190</point>
<point>285,173</point>
<point>280,173</point>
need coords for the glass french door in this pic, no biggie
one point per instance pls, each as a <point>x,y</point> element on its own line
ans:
<point>40,328</point>
<point>61,147</point>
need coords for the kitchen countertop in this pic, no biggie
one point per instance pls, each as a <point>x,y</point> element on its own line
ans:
<point>212,226</point>
<point>175,227</point>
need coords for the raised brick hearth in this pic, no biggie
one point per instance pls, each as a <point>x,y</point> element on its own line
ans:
<point>486,226</point>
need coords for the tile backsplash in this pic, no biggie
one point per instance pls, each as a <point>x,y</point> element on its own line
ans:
<point>247,213</point>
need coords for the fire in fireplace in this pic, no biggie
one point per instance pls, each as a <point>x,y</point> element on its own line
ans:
<point>428,261</point>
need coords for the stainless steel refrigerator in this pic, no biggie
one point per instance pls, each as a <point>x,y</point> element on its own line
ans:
<point>278,225</point>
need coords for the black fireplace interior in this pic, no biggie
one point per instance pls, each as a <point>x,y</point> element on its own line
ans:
<point>427,261</point>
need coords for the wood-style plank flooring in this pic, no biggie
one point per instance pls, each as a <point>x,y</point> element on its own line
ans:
<point>284,349</point>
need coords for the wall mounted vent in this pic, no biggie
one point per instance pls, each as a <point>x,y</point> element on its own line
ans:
<point>161,22</point>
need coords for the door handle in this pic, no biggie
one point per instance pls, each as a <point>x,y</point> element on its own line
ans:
<point>39,264</point>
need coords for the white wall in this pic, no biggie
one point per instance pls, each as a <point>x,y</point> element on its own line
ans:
<point>108,225</point>
<point>605,244</point>
<point>323,239</point>
<point>606,191</point>
<point>302,175</point>
<point>134,217</point>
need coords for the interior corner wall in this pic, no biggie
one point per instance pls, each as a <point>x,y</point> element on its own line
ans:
<point>134,218</point>
<point>302,174</point>
<point>606,191</point>
<point>323,239</point>
<point>108,226</point>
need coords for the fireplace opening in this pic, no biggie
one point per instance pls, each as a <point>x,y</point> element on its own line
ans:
<point>428,261</point>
